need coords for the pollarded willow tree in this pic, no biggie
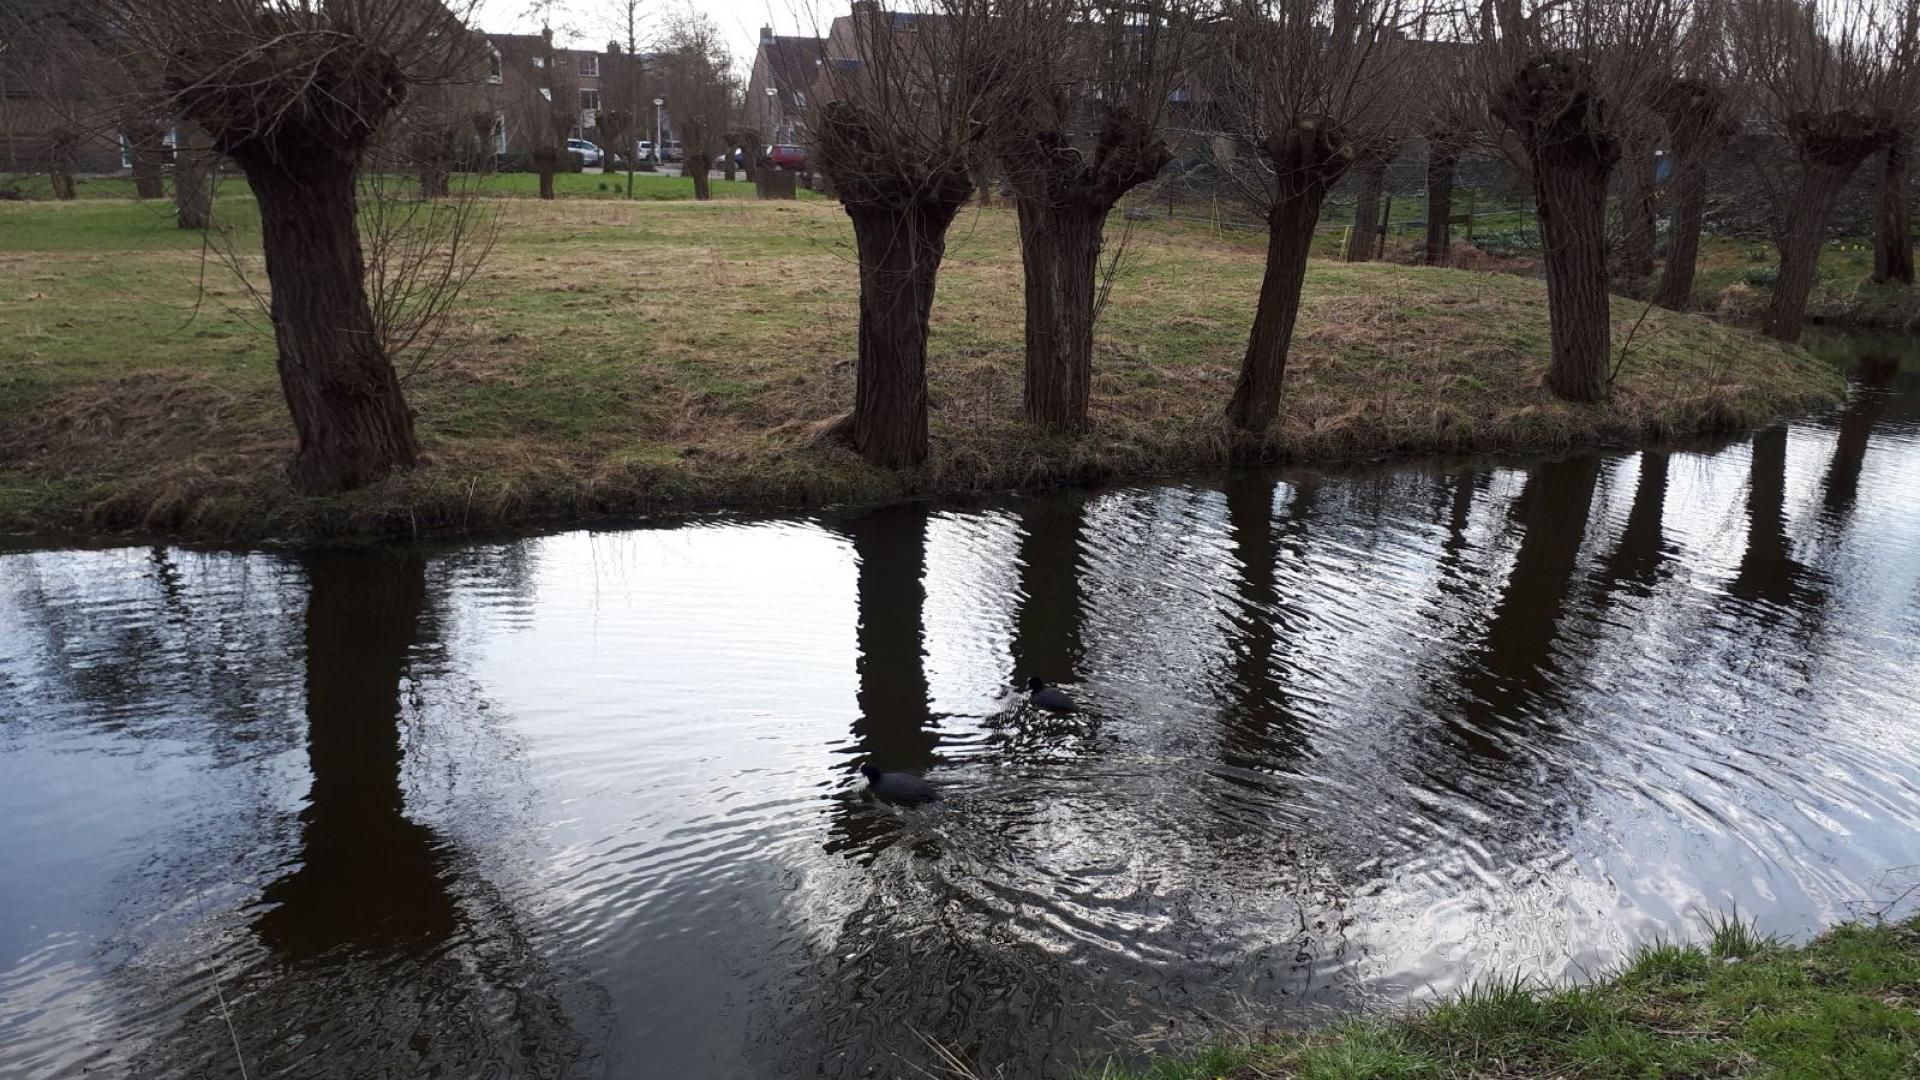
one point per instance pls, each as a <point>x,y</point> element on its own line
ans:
<point>1307,85</point>
<point>295,93</point>
<point>696,80</point>
<point>894,132</point>
<point>1566,80</point>
<point>1074,102</point>
<point>1837,79</point>
<point>1701,115</point>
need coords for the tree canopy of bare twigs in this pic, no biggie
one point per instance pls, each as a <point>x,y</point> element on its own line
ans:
<point>1306,87</point>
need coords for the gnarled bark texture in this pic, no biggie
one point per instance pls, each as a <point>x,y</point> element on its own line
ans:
<point>1832,145</point>
<point>1553,105</point>
<point>1308,160</point>
<point>1063,198</point>
<point>900,212</point>
<point>297,119</point>
<point>1366,210</point>
<point>1443,163</point>
<point>1893,240</point>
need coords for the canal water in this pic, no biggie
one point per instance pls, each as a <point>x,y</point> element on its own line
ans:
<point>587,804</point>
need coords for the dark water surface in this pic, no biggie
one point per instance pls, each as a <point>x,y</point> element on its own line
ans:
<point>587,804</point>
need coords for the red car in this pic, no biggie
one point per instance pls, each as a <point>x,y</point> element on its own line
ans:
<point>789,157</point>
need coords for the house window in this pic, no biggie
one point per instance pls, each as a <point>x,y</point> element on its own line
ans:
<point>799,100</point>
<point>589,100</point>
<point>539,61</point>
<point>547,92</point>
<point>588,120</point>
<point>499,133</point>
<point>590,66</point>
<point>493,65</point>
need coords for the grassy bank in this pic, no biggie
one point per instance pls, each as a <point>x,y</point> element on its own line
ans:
<point>1736,279</point>
<point>617,359</point>
<point>1845,1005</point>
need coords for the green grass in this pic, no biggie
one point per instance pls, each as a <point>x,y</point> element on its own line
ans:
<point>616,359</point>
<point>1739,1005</point>
<point>1735,277</point>
<point>649,186</point>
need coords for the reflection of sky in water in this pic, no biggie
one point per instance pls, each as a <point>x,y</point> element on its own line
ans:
<point>1348,736</point>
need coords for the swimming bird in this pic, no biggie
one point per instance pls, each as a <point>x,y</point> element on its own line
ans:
<point>898,787</point>
<point>1050,698</point>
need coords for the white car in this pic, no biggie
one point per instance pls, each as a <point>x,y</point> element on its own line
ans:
<point>643,150</point>
<point>588,153</point>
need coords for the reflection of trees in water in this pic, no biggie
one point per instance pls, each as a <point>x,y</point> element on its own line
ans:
<point>1047,631</point>
<point>893,728</point>
<point>114,645</point>
<point>384,954</point>
<point>1261,727</point>
<point>1641,558</point>
<point>1873,381</point>
<point>1505,683</point>
<point>1770,579</point>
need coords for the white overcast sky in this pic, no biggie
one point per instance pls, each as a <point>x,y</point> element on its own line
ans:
<point>591,23</point>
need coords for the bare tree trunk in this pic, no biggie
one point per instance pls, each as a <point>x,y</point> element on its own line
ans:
<point>729,167</point>
<point>62,182</point>
<point>1893,241</point>
<point>1443,163</point>
<point>145,145</point>
<point>193,180</point>
<point>545,160</point>
<point>1571,190</point>
<point>1636,211</point>
<point>434,180</point>
<point>900,249</point>
<point>1675,292</point>
<point>1290,224</point>
<point>1822,176</point>
<point>1060,248</point>
<point>353,421</point>
<point>1366,211</point>
<point>700,167</point>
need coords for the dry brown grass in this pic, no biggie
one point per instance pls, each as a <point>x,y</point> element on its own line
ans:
<point>619,360</point>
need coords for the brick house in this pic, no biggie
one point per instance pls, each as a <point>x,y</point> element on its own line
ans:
<point>784,70</point>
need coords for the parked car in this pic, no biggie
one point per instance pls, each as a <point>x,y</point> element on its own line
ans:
<point>670,150</point>
<point>588,153</point>
<point>788,156</point>
<point>643,150</point>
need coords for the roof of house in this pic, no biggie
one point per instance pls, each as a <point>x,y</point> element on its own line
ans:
<point>792,63</point>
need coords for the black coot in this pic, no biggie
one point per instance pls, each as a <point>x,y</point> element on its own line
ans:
<point>1050,698</point>
<point>898,787</point>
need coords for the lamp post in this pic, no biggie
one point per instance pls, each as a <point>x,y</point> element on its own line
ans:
<point>659,154</point>
<point>773,108</point>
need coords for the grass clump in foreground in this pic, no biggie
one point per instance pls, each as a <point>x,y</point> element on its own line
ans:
<point>1741,1005</point>
<point>619,358</point>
